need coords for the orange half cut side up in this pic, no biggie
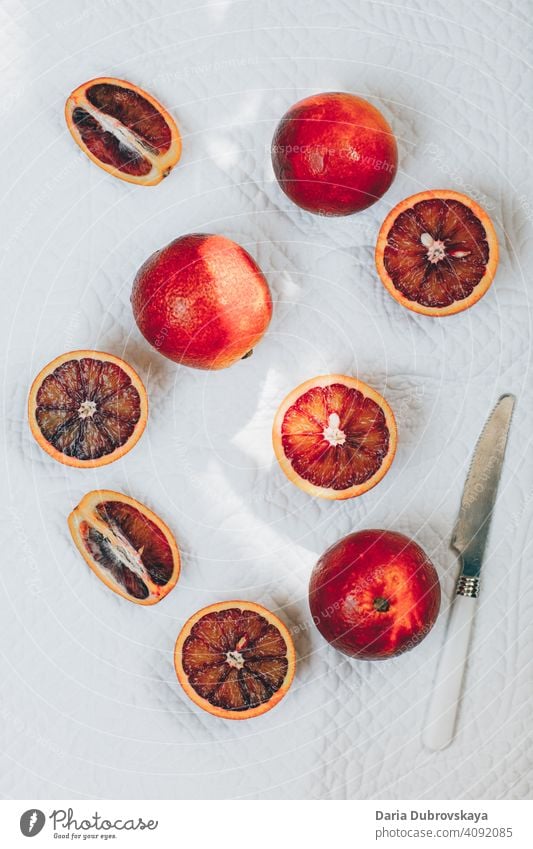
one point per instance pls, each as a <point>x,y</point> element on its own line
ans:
<point>334,436</point>
<point>437,252</point>
<point>235,659</point>
<point>87,408</point>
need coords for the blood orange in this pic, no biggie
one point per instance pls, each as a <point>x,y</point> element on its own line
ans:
<point>437,252</point>
<point>334,436</point>
<point>130,549</point>
<point>235,659</point>
<point>334,153</point>
<point>87,408</point>
<point>374,594</point>
<point>202,301</point>
<point>124,130</point>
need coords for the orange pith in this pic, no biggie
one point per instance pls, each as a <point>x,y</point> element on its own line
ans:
<point>126,545</point>
<point>437,252</point>
<point>235,659</point>
<point>334,436</point>
<point>87,408</point>
<point>124,130</point>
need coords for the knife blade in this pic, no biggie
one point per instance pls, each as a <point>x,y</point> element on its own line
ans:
<point>469,540</point>
<point>472,527</point>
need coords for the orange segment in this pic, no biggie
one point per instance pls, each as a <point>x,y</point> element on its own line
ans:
<point>130,549</point>
<point>124,130</point>
<point>87,408</point>
<point>334,436</point>
<point>437,252</point>
<point>235,659</point>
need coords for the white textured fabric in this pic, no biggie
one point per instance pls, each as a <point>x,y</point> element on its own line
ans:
<point>90,703</point>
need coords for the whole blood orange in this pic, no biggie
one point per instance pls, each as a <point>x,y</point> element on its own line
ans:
<point>130,549</point>
<point>334,154</point>
<point>374,594</point>
<point>235,659</point>
<point>87,408</point>
<point>334,436</point>
<point>124,130</point>
<point>437,252</point>
<point>202,301</point>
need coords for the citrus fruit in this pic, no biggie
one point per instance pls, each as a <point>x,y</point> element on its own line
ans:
<point>334,154</point>
<point>334,436</point>
<point>437,252</point>
<point>124,130</point>
<point>130,549</point>
<point>202,301</point>
<point>235,659</point>
<point>374,594</point>
<point>87,408</point>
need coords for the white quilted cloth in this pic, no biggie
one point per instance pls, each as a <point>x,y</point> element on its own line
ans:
<point>90,704</point>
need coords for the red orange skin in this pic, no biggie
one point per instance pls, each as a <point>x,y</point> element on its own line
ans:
<point>202,301</point>
<point>365,566</point>
<point>334,154</point>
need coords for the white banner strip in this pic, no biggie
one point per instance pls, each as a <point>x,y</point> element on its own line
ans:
<point>267,824</point>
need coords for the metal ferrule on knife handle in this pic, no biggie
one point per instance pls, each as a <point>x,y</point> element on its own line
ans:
<point>467,586</point>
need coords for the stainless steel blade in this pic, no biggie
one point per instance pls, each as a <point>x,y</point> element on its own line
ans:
<point>479,494</point>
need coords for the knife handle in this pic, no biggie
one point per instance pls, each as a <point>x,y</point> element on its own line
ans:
<point>444,703</point>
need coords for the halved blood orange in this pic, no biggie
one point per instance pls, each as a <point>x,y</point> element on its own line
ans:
<point>130,549</point>
<point>87,408</point>
<point>124,130</point>
<point>235,659</point>
<point>437,252</point>
<point>334,436</point>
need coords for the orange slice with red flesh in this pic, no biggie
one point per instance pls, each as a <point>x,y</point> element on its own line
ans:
<point>124,130</point>
<point>334,436</point>
<point>87,408</point>
<point>235,659</point>
<point>437,252</point>
<point>130,549</point>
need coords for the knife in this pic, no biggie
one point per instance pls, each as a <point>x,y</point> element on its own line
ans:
<point>469,540</point>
